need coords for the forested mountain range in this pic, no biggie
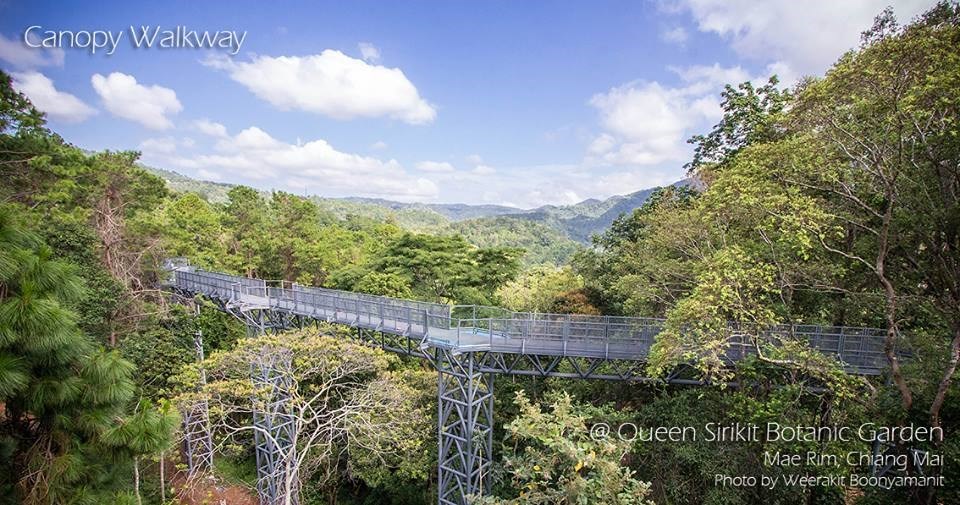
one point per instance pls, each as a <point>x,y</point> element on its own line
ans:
<point>550,233</point>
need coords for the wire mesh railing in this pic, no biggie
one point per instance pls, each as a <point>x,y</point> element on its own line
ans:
<point>500,330</point>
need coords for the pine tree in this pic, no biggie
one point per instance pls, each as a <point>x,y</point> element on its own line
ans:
<point>64,428</point>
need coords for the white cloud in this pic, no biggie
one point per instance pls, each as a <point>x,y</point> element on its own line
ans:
<point>435,166</point>
<point>647,123</point>
<point>17,53</point>
<point>369,52</point>
<point>474,159</point>
<point>784,72</point>
<point>57,104</point>
<point>210,128</point>
<point>166,146</point>
<point>804,36</point>
<point>676,35</point>
<point>603,143</point>
<point>484,170</point>
<point>163,145</point>
<point>378,145</point>
<point>330,83</point>
<point>710,78</point>
<point>255,157</point>
<point>147,105</point>
<point>533,186</point>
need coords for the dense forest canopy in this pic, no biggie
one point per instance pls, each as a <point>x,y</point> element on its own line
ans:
<point>834,202</point>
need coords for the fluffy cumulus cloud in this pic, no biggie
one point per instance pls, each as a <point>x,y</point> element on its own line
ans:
<point>163,145</point>
<point>435,166</point>
<point>57,104</point>
<point>647,123</point>
<point>532,186</point>
<point>17,53</point>
<point>799,37</point>
<point>124,97</point>
<point>369,52</point>
<point>332,84</point>
<point>210,128</point>
<point>255,157</point>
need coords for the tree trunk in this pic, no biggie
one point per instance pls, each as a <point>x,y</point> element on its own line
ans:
<point>946,379</point>
<point>136,479</point>
<point>890,309</point>
<point>163,482</point>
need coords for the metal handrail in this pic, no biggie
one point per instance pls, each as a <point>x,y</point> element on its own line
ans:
<point>566,334</point>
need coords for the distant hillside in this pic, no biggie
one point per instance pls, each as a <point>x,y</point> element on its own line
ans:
<point>214,192</point>
<point>418,218</point>
<point>544,244</point>
<point>453,211</point>
<point>550,233</point>
<point>581,221</point>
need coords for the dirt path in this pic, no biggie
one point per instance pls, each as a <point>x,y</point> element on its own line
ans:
<point>210,490</point>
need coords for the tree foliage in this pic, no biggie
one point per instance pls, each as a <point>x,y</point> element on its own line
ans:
<point>348,405</point>
<point>552,459</point>
<point>64,417</point>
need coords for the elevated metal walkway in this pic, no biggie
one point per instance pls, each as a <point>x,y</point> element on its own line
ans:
<point>471,329</point>
<point>470,344</point>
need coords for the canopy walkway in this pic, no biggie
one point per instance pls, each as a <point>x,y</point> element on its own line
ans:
<point>469,345</point>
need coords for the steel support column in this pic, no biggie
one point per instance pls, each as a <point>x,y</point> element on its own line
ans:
<point>275,433</point>
<point>465,427</point>
<point>197,436</point>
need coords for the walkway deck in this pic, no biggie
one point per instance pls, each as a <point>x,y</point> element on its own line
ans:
<point>438,325</point>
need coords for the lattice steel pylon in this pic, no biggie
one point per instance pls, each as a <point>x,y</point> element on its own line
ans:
<point>275,430</point>
<point>275,433</point>
<point>197,434</point>
<point>465,427</point>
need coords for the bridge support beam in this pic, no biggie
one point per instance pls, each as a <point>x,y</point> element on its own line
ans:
<point>465,427</point>
<point>197,435</point>
<point>275,430</point>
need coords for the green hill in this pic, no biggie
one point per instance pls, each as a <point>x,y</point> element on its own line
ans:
<point>550,233</point>
<point>544,244</point>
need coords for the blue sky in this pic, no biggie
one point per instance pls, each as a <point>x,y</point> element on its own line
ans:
<point>521,103</point>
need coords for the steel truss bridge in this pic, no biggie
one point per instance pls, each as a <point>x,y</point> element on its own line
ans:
<point>468,346</point>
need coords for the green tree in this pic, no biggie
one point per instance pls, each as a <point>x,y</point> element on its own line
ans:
<point>448,269</point>
<point>351,406</point>
<point>245,217</point>
<point>750,115</point>
<point>536,288</point>
<point>552,459</point>
<point>193,230</point>
<point>887,117</point>
<point>644,263</point>
<point>384,284</point>
<point>63,398</point>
